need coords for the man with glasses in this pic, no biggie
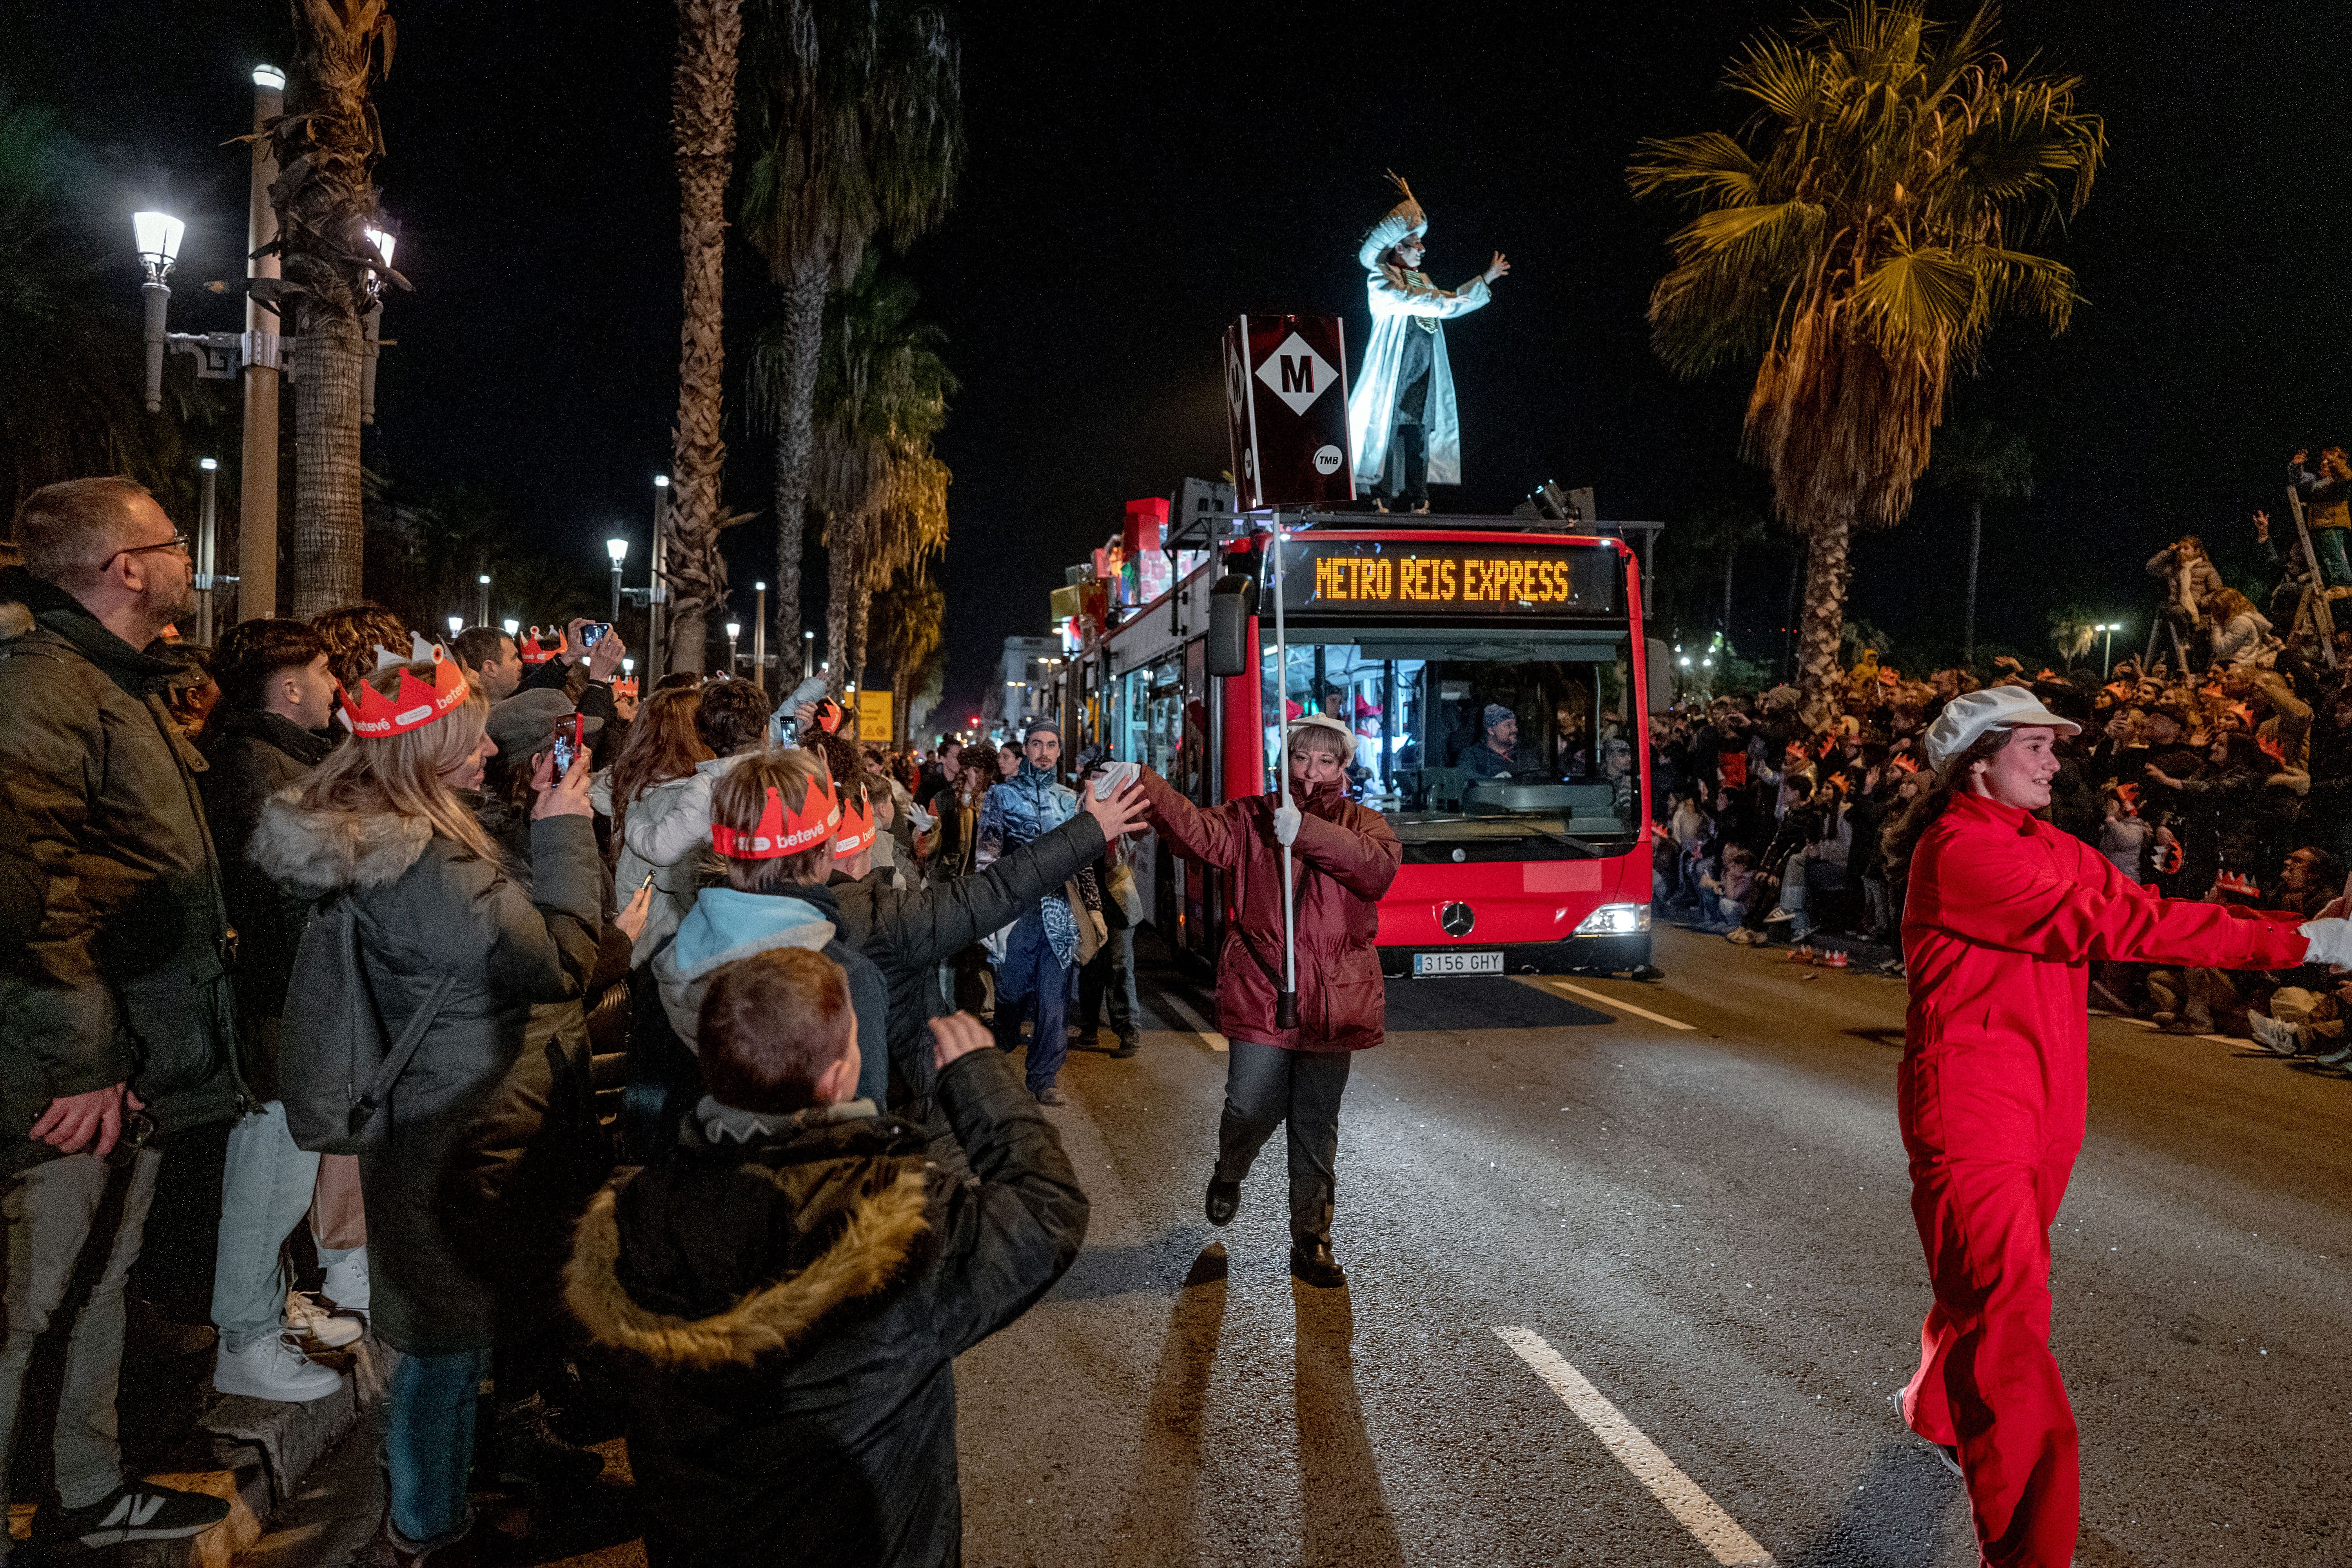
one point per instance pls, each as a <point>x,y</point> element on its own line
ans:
<point>116,1021</point>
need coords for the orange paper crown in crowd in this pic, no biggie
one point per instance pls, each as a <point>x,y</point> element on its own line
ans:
<point>2129,794</point>
<point>857,829</point>
<point>372,716</point>
<point>826,715</point>
<point>532,650</point>
<point>781,832</point>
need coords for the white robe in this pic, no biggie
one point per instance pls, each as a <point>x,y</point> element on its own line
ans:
<point>1371,400</point>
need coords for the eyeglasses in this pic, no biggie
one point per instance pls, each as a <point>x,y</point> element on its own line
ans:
<point>179,542</point>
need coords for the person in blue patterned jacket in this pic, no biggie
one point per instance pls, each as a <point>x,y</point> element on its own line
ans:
<point>1042,948</point>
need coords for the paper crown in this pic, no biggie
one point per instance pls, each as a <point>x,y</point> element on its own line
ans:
<point>375,716</point>
<point>856,830</point>
<point>2237,884</point>
<point>781,832</point>
<point>533,651</point>
<point>827,716</point>
<point>2129,794</point>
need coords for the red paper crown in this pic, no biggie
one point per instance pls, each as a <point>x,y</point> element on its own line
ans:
<point>856,831</point>
<point>2129,794</point>
<point>781,832</point>
<point>2238,884</point>
<point>375,716</point>
<point>826,715</point>
<point>533,651</point>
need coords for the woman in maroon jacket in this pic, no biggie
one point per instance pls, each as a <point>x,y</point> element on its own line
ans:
<point>1345,856</point>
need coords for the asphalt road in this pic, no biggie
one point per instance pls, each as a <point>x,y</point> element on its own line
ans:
<point>1710,1226</point>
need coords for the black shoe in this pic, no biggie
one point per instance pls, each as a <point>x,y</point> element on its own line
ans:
<point>1311,1263</point>
<point>1127,1047</point>
<point>142,1511</point>
<point>527,1449</point>
<point>1224,1197</point>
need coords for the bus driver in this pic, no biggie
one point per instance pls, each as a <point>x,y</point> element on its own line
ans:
<point>1496,756</point>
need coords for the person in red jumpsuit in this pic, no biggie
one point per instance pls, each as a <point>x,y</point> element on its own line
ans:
<point>2005,916</point>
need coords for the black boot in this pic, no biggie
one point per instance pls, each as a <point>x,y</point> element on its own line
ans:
<point>1311,1263</point>
<point>1127,1046</point>
<point>525,1448</point>
<point>1224,1197</point>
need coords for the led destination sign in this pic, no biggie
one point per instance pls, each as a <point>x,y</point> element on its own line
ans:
<point>1326,576</point>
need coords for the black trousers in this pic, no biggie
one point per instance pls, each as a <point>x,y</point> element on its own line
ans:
<point>1267,1086</point>
<point>1110,977</point>
<point>1405,480</point>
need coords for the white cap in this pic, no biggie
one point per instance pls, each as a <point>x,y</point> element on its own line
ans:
<point>1966,717</point>
<point>1324,723</point>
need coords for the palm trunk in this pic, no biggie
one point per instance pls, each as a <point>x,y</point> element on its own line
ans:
<point>843,536</point>
<point>901,683</point>
<point>795,451</point>
<point>1789,617</point>
<point>328,531</point>
<point>1827,564</point>
<point>861,605</point>
<point>702,124</point>
<point>1968,624</point>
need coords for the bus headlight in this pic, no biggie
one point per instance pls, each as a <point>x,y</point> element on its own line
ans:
<point>1615,920</point>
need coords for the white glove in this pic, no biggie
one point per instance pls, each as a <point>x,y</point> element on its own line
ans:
<point>1115,777</point>
<point>923,821</point>
<point>2331,942</point>
<point>1286,833</point>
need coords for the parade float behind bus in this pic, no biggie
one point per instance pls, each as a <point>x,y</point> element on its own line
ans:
<point>1409,630</point>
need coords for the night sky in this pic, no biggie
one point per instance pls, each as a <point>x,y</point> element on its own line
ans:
<point>1139,175</point>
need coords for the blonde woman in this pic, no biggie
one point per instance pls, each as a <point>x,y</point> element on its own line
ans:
<point>444,921</point>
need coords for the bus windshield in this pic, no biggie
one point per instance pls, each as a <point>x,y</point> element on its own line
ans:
<point>1510,746</point>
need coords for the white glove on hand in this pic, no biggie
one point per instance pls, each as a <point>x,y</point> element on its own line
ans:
<point>2331,942</point>
<point>1286,833</point>
<point>1115,777</point>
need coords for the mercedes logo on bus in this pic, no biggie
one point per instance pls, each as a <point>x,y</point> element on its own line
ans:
<point>1457,919</point>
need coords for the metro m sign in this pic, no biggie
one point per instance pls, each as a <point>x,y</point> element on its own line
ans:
<point>1287,411</point>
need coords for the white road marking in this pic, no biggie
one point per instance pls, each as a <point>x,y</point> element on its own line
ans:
<point>1716,1530</point>
<point>1608,1001</point>
<point>1210,1038</point>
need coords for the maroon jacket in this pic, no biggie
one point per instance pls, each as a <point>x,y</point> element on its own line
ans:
<point>1345,859</point>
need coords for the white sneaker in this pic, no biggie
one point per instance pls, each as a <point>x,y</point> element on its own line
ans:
<point>307,1316</point>
<point>347,1283</point>
<point>272,1368</point>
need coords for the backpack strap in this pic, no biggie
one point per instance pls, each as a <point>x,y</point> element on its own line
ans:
<point>396,1061</point>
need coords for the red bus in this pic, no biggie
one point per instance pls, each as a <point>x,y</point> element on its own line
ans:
<point>1532,855</point>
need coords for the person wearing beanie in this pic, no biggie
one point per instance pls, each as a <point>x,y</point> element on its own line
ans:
<point>1344,855</point>
<point>1034,975</point>
<point>2001,920</point>
<point>1496,756</point>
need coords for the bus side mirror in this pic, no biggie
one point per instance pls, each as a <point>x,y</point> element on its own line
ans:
<point>1662,676</point>
<point>1231,603</point>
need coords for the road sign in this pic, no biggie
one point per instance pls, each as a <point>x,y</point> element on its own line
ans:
<point>874,716</point>
<point>1287,411</point>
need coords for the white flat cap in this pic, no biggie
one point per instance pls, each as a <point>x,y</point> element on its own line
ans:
<point>1966,717</point>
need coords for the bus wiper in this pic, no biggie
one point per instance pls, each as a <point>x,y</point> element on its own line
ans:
<point>1556,835</point>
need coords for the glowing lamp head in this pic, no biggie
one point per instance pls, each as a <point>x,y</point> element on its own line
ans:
<point>158,235</point>
<point>269,79</point>
<point>457,625</point>
<point>661,482</point>
<point>483,579</point>
<point>628,666</point>
<point>209,464</point>
<point>734,630</point>
<point>511,624</point>
<point>384,239</point>
<point>618,549</point>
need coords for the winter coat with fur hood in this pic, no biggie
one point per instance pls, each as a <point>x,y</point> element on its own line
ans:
<point>429,907</point>
<point>782,1319</point>
<point>125,976</point>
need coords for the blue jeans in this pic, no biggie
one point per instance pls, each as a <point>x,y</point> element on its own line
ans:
<point>264,1192</point>
<point>1030,974</point>
<point>428,1444</point>
<point>2335,569</point>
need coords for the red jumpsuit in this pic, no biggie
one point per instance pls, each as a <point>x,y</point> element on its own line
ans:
<point>2003,916</point>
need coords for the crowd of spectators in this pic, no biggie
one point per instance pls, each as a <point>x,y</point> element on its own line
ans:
<point>2219,768</point>
<point>345,971</point>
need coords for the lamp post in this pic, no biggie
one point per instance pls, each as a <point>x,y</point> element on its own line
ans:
<point>657,591</point>
<point>256,493</point>
<point>618,549</point>
<point>760,639</point>
<point>384,239</point>
<point>158,237</point>
<point>203,584</point>
<point>482,599</point>
<point>457,625</point>
<point>2107,654</point>
<point>734,630</point>
<point>808,653</point>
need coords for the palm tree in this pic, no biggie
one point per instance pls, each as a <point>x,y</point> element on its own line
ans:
<point>856,108</point>
<point>881,395</point>
<point>1981,462</point>
<point>1857,243</point>
<point>326,145</point>
<point>702,134</point>
<point>913,620</point>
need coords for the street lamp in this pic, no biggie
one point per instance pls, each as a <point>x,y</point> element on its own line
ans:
<point>457,625</point>
<point>760,639</point>
<point>618,549</point>
<point>158,237</point>
<point>205,579</point>
<point>382,236</point>
<point>734,630</point>
<point>513,627</point>
<point>2107,654</point>
<point>656,592</point>
<point>808,653</point>
<point>482,600</point>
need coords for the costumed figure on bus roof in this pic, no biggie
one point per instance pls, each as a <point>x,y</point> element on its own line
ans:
<point>1401,419</point>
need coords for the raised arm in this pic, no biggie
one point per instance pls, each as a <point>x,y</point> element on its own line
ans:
<point>1390,298</point>
<point>1214,835</point>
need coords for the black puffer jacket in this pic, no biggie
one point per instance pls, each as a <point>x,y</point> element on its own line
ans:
<point>252,756</point>
<point>126,978</point>
<point>908,934</point>
<point>783,1318</point>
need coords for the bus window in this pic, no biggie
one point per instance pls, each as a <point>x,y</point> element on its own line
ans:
<point>1487,743</point>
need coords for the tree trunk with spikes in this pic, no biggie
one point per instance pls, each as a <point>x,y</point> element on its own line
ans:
<point>328,531</point>
<point>804,299</point>
<point>843,535</point>
<point>1827,562</point>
